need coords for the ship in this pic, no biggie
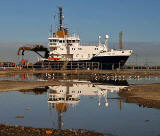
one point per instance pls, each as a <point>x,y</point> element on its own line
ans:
<point>67,52</point>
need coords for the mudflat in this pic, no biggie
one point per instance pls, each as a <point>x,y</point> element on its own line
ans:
<point>147,95</point>
<point>24,85</point>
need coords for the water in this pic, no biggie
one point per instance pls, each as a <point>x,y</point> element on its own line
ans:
<point>82,104</point>
<point>18,77</point>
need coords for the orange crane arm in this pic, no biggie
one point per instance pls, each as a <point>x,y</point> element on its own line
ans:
<point>36,48</point>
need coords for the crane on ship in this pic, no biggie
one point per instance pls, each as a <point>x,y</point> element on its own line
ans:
<point>35,48</point>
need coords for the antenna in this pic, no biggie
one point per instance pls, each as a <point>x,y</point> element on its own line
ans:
<point>51,31</point>
<point>99,40</point>
<point>121,46</point>
<point>55,21</point>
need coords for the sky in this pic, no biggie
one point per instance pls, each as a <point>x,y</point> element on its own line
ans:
<point>30,20</point>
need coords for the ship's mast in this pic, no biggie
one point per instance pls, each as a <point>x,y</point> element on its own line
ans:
<point>60,18</point>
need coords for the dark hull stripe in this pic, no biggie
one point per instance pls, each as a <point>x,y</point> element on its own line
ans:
<point>105,62</point>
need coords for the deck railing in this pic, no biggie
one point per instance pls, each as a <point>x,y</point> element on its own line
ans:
<point>81,66</point>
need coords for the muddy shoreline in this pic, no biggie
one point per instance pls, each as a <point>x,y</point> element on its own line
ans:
<point>6,85</point>
<point>147,95</point>
<point>6,130</point>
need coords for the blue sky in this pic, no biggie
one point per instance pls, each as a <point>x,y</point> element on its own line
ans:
<point>29,20</point>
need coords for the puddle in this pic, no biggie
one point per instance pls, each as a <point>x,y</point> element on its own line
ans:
<point>85,104</point>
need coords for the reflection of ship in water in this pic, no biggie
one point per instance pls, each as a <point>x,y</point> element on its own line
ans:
<point>70,94</point>
<point>61,97</point>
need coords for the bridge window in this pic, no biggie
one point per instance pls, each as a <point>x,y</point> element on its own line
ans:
<point>69,41</point>
<point>53,48</point>
<point>55,40</point>
<point>77,41</point>
<point>102,51</point>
